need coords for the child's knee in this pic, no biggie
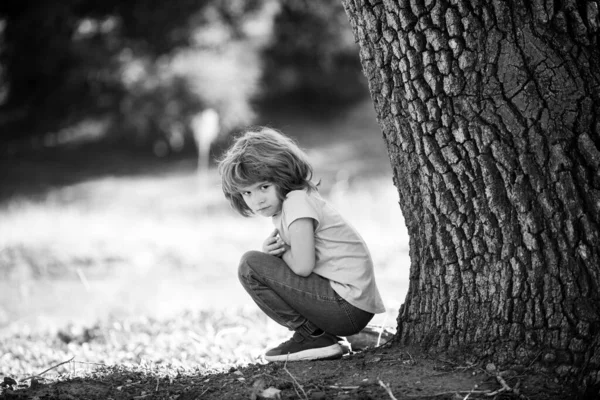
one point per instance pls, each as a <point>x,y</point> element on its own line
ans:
<point>248,259</point>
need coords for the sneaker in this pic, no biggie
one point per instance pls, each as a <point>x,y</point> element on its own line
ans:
<point>299,347</point>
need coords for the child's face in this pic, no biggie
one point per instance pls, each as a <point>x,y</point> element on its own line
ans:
<point>262,198</point>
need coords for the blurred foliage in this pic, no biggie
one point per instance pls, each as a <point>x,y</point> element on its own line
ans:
<point>136,71</point>
<point>313,54</point>
<point>116,67</point>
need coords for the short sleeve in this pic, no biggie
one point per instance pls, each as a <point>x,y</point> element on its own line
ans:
<point>299,205</point>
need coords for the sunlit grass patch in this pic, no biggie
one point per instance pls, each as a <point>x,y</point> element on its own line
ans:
<point>208,339</point>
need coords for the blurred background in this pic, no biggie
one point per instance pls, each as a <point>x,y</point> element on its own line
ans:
<point>111,116</point>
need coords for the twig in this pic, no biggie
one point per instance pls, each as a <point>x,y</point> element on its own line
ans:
<point>505,387</point>
<point>486,392</point>
<point>157,381</point>
<point>446,361</point>
<point>470,393</point>
<point>381,330</point>
<point>295,381</point>
<point>49,369</point>
<point>412,360</point>
<point>344,387</point>
<point>503,382</point>
<point>465,367</point>
<point>87,362</point>
<point>128,384</point>
<point>495,392</point>
<point>388,390</point>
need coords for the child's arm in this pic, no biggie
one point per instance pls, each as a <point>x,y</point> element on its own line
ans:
<point>301,255</point>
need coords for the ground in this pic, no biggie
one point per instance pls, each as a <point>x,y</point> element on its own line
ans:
<point>218,355</point>
<point>387,372</point>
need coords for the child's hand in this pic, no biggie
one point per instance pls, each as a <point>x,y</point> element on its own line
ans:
<point>274,245</point>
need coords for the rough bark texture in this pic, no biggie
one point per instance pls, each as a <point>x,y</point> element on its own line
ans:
<point>491,114</point>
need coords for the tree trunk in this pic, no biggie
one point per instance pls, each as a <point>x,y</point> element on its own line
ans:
<point>491,114</point>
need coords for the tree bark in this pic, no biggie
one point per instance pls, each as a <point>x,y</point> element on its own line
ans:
<point>491,115</point>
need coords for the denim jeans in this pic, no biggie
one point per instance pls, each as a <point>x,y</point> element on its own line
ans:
<point>299,303</point>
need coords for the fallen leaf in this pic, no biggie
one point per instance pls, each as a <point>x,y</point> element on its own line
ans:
<point>257,387</point>
<point>270,393</point>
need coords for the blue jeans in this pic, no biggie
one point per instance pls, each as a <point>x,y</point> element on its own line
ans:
<point>299,303</point>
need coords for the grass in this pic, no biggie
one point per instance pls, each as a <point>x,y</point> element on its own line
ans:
<point>146,264</point>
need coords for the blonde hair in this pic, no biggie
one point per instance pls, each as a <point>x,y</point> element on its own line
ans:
<point>263,154</point>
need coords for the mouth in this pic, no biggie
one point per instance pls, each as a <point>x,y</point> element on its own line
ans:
<point>262,209</point>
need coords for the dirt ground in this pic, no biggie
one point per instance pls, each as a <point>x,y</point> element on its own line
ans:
<point>387,372</point>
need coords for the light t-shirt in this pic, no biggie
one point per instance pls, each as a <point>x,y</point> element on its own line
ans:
<point>341,254</point>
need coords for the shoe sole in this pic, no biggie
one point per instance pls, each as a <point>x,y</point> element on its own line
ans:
<point>323,353</point>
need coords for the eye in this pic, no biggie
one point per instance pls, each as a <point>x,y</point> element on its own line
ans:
<point>265,186</point>
<point>244,194</point>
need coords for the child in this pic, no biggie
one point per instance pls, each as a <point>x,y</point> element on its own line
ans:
<point>314,274</point>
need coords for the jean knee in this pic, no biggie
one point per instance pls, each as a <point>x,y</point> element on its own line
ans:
<point>248,259</point>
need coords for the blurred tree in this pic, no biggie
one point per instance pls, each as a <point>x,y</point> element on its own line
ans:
<point>138,71</point>
<point>313,54</point>
<point>491,114</point>
<point>138,68</point>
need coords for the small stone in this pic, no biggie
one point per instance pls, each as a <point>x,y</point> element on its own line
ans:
<point>490,367</point>
<point>270,393</point>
